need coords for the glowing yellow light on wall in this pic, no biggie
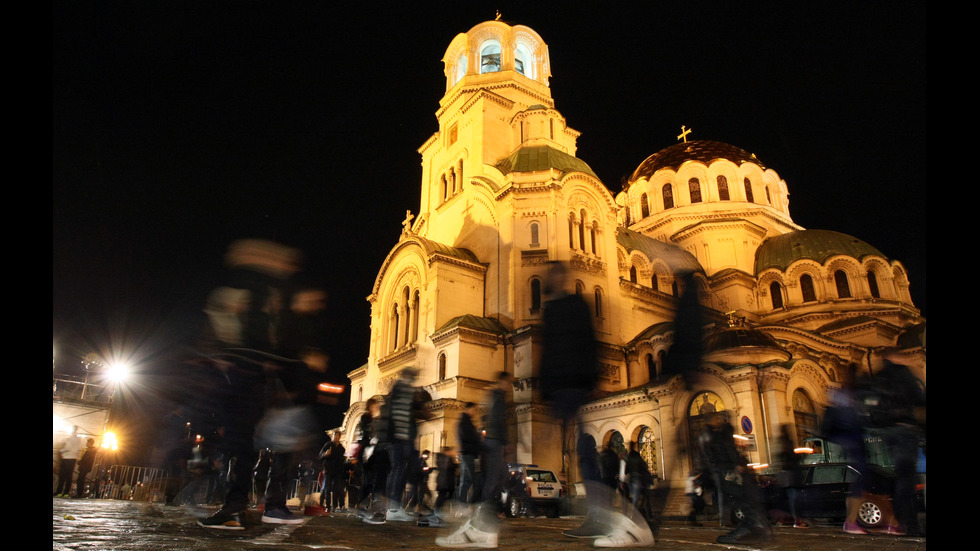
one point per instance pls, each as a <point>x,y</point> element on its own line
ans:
<point>109,441</point>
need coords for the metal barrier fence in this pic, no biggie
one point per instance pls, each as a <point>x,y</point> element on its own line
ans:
<point>149,484</point>
<point>132,483</point>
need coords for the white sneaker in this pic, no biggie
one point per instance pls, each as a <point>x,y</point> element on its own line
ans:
<point>398,515</point>
<point>469,537</point>
<point>626,534</point>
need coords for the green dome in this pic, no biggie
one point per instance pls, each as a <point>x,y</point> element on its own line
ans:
<point>532,158</point>
<point>817,245</point>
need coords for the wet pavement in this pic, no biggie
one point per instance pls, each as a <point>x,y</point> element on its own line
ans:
<point>96,524</point>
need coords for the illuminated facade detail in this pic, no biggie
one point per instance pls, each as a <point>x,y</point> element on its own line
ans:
<point>460,292</point>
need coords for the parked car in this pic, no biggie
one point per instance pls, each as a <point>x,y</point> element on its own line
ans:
<point>531,490</point>
<point>825,489</point>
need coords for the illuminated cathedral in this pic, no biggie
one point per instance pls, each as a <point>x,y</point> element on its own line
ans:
<point>503,192</point>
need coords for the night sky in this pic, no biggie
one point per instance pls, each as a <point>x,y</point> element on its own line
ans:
<point>181,126</point>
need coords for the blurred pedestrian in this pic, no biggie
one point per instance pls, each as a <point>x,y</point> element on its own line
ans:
<point>364,454</point>
<point>470,447</point>
<point>609,471</point>
<point>85,464</point>
<point>402,414</point>
<point>569,376</point>
<point>901,401</point>
<point>790,473</point>
<point>483,527</point>
<point>843,424</point>
<point>70,450</point>
<point>446,470</point>
<point>639,480</point>
<point>262,339</point>
<point>736,481</point>
<point>694,490</point>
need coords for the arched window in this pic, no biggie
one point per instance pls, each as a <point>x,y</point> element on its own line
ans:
<point>873,284</point>
<point>442,366</point>
<point>843,289</point>
<point>776,292</point>
<point>647,446</point>
<point>723,188</point>
<point>460,67</point>
<point>535,295</point>
<point>490,57</point>
<point>806,287</point>
<point>673,288</point>
<point>414,336</point>
<point>702,406</point>
<point>523,62</point>
<point>534,234</point>
<point>598,303</point>
<point>452,178</point>
<point>592,232</point>
<point>804,414</point>
<point>579,288</point>
<point>768,197</point>
<point>459,174</point>
<point>571,231</point>
<point>694,186</point>
<point>393,320</point>
<point>651,366</point>
<point>748,191</point>
<point>616,443</point>
<point>668,191</point>
<point>407,318</point>
<point>644,206</point>
<point>581,231</point>
<point>360,393</point>
<point>655,282</point>
<point>444,188</point>
<point>633,274</point>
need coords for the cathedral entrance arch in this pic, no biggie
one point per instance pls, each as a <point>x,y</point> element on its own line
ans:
<point>703,405</point>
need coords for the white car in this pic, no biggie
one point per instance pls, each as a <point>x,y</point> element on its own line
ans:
<point>530,490</point>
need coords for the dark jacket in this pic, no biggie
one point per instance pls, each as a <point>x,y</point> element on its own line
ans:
<point>719,449</point>
<point>332,456</point>
<point>637,468</point>
<point>569,359</point>
<point>469,438</point>
<point>495,421</point>
<point>401,423</point>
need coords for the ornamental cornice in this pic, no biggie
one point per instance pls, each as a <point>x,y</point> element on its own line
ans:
<point>587,265</point>
<point>439,257</point>
<point>398,358</point>
<point>718,222</point>
<point>671,217</point>
<point>618,400</point>
<point>532,408</point>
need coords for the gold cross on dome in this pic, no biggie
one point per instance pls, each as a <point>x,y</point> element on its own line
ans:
<point>684,133</point>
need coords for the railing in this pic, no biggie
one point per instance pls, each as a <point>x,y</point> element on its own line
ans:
<point>131,483</point>
<point>69,390</point>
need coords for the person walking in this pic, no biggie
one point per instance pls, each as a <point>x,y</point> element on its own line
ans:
<point>402,429</point>
<point>694,490</point>
<point>736,480</point>
<point>639,481</point>
<point>69,451</point>
<point>569,376</point>
<point>483,527</point>
<point>85,464</point>
<point>262,341</point>
<point>470,448</point>
<point>790,476</point>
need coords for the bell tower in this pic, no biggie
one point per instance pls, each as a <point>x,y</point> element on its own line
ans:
<point>497,99</point>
